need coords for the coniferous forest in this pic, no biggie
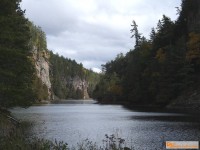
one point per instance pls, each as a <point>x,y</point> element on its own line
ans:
<point>157,70</point>
<point>160,74</point>
<point>23,48</point>
<point>16,69</point>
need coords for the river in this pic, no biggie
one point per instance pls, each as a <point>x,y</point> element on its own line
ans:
<point>73,123</point>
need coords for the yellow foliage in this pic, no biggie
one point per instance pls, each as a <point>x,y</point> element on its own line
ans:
<point>161,55</point>
<point>84,70</point>
<point>193,46</point>
<point>116,89</point>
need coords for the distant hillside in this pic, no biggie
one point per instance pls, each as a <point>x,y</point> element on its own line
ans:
<point>71,80</point>
<point>58,77</point>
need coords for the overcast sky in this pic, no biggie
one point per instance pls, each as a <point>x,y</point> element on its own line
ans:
<point>94,31</point>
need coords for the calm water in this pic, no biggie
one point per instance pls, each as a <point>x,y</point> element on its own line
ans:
<point>73,123</point>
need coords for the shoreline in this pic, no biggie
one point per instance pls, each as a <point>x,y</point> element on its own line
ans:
<point>191,110</point>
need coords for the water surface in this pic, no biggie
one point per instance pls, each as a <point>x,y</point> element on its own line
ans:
<point>73,123</point>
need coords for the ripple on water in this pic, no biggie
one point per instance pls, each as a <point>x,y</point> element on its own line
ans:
<point>73,123</point>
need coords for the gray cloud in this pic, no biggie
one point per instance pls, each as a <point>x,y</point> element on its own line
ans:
<point>95,31</point>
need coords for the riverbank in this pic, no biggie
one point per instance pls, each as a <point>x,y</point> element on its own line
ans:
<point>65,101</point>
<point>72,101</point>
<point>12,132</point>
<point>191,109</point>
<point>187,102</point>
<point>184,110</point>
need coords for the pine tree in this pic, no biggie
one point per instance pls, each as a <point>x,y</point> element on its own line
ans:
<point>136,33</point>
<point>16,69</point>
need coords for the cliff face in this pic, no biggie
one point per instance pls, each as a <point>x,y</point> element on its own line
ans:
<point>42,68</point>
<point>72,86</point>
<point>56,76</point>
<point>71,80</point>
<point>81,85</point>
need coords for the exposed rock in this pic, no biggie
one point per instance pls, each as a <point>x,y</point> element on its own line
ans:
<point>189,99</point>
<point>80,84</point>
<point>42,68</point>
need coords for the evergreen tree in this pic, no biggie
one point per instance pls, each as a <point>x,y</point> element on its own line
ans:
<point>136,33</point>
<point>158,70</point>
<point>16,69</point>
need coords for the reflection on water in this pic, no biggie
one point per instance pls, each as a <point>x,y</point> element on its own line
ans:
<point>73,123</point>
<point>75,102</point>
<point>168,118</point>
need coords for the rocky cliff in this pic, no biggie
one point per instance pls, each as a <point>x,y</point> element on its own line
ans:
<point>81,85</point>
<point>41,62</point>
<point>56,76</point>
<point>71,80</point>
<point>71,85</point>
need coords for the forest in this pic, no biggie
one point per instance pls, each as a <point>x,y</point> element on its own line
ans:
<point>24,54</point>
<point>64,72</point>
<point>157,70</point>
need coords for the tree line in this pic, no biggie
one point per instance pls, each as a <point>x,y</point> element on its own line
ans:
<point>157,70</point>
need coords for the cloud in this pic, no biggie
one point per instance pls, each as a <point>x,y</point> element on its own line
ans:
<point>94,31</point>
<point>96,70</point>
